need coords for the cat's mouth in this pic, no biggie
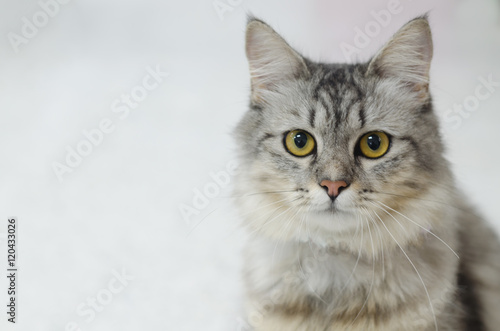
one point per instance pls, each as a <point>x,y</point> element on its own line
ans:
<point>337,207</point>
<point>333,208</point>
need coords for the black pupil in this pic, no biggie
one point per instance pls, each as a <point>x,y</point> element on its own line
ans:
<point>300,139</point>
<point>373,142</point>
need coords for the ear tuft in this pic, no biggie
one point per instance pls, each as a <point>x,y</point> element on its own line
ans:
<point>270,58</point>
<point>407,56</point>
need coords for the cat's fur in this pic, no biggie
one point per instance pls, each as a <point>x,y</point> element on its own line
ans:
<point>382,255</point>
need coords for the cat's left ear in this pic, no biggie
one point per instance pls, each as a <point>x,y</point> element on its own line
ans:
<point>270,58</point>
<point>407,57</point>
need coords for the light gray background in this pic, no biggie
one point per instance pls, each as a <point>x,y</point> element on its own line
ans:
<point>120,207</point>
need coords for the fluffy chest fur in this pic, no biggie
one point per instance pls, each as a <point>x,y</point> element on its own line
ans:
<point>332,288</point>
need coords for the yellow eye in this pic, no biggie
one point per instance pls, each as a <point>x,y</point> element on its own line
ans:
<point>374,144</point>
<point>299,143</point>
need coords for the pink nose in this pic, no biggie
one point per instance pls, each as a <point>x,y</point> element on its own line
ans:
<point>333,188</point>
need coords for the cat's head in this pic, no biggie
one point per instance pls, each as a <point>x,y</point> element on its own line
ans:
<point>328,148</point>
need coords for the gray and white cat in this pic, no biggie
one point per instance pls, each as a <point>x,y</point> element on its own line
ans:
<point>354,219</point>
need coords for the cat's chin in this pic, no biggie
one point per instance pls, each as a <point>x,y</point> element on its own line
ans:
<point>334,218</point>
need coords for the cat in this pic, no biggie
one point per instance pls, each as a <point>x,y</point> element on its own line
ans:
<point>354,221</point>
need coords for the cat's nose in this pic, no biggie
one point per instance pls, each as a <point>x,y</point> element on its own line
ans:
<point>333,188</point>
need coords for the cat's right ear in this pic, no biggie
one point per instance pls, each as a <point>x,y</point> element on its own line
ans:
<point>407,57</point>
<point>270,59</point>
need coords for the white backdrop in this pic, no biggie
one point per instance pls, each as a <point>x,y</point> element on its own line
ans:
<point>103,244</point>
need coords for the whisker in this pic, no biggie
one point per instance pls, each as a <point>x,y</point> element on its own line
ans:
<point>303,222</point>
<point>242,215</point>
<point>373,276</point>
<point>310,238</point>
<point>379,232</point>
<point>272,219</point>
<point>309,285</point>
<point>358,217</point>
<point>427,200</point>
<point>302,219</point>
<point>423,228</point>
<point>282,232</point>
<point>449,187</point>
<point>197,224</point>
<point>258,193</point>
<point>414,268</point>
<point>287,199</point>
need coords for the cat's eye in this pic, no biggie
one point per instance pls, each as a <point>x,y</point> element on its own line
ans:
<point>374,144</point>
<point>299,143</point>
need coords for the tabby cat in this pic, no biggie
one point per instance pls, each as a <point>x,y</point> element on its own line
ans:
<point>353,216</point>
